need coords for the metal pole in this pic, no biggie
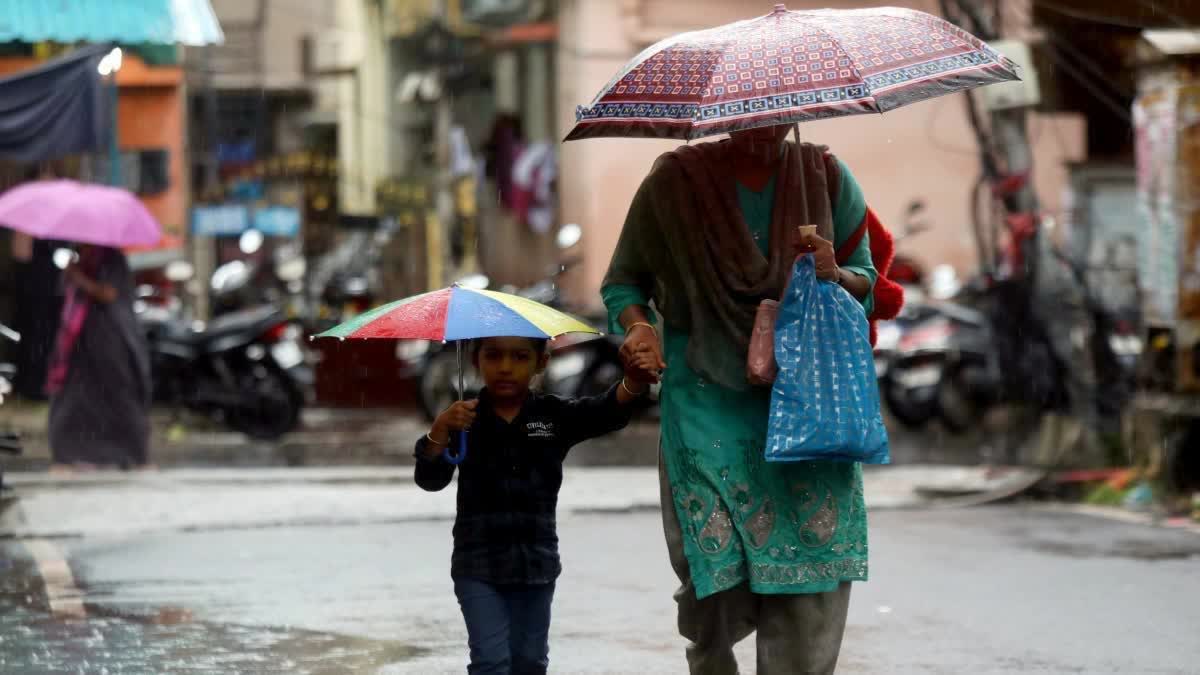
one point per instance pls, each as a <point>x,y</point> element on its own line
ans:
<point>114,146</point>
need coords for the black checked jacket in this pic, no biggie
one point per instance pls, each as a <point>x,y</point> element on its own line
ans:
<point>505,531</point>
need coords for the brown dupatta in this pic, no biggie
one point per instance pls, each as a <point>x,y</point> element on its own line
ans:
<point>686,239</point>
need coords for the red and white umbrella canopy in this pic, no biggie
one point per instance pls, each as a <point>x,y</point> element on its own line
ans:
<point>788,67</point>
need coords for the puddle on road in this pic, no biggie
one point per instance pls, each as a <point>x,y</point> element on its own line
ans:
<point>167,640</point>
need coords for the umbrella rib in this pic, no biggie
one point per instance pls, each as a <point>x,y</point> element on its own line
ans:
<point>857,73</point>
<point>1003,61</point>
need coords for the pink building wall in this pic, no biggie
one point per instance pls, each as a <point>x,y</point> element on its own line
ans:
<point>926,151</point>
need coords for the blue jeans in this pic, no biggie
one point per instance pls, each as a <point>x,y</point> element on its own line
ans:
<point>508,627</point>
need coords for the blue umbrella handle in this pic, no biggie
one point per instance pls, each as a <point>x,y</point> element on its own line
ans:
<point>461,454</point>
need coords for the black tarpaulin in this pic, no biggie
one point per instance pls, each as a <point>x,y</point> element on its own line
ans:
<point>57,109</point>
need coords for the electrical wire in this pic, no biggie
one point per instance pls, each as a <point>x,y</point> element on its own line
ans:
<point>1072,70</point>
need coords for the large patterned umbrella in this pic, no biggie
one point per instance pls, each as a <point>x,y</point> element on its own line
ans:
<point>787,67</point>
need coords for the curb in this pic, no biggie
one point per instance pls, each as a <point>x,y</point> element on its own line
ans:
<point>1124,516</point>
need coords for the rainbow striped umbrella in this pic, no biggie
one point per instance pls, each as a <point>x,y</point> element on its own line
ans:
<point>457,314</point>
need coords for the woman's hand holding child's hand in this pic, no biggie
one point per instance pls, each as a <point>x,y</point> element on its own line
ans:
<point>643,364</point>
<point>641,354</point>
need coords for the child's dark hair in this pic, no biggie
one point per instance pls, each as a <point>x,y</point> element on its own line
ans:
<point>540,345</point>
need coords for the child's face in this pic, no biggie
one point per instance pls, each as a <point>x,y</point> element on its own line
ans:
<point>508,365</point>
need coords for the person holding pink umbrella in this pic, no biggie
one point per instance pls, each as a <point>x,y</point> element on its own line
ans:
<point>99,374</point>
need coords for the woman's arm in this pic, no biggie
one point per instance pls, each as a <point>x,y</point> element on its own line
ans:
<point>630,281</point>
<point>856,274</point>
<point>858,285</point>
<point>100,292</point>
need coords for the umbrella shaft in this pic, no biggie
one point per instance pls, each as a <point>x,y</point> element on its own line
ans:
<point>461,384</point>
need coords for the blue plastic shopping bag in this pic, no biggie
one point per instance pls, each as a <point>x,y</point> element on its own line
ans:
<point>825,402</point>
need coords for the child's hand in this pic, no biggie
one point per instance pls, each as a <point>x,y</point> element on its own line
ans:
<point>456,418</point>
<point>643,365</point>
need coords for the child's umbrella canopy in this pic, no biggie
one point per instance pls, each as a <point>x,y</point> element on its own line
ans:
<point>458,314</point>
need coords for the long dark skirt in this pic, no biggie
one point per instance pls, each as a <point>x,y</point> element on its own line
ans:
<point>100,416</point>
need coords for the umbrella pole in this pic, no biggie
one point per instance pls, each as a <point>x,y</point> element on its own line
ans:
<point>461,451</point>
<point>461,383</point>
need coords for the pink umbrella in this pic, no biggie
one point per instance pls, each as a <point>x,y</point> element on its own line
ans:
<point>789,67</point>
<point>67,210</point>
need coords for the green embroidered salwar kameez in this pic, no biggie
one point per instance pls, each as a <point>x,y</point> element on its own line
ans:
<point>782,528</point>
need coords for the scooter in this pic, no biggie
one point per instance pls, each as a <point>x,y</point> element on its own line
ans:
<point>10,443</point>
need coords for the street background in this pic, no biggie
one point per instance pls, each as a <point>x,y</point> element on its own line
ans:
<point>308,160</point>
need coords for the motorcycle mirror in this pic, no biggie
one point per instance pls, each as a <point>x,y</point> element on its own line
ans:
<point>568,236</point>
<point>63,257</point>
<point>251,241</point>
<point>179,271</point>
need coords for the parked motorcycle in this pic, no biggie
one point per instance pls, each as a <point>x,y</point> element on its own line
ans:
<point>987,364</point>
<point>906,369</point>
<point>345,282</point>
<point>10,443</point>
<point>247,367</point>
<point>896,349</point>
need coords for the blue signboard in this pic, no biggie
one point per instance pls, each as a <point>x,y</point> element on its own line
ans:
<point>231,220</point>
<point>221,220</point>
<point>277,221</point>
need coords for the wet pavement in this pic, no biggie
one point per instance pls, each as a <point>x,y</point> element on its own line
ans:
<point>340,437</point>
<point>990,590</point>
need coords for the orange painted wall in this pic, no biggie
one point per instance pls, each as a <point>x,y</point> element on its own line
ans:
<point>150,113</point>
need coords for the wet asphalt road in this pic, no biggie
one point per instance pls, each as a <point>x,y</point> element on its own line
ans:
<point>994,590</point>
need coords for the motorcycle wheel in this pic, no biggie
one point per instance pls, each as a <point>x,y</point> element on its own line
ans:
<point>956,406</point>
<point>439,383</point>
<point>914,413</point>
<point>275,408</point>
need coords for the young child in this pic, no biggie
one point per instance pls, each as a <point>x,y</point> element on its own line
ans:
<point>505,560</point>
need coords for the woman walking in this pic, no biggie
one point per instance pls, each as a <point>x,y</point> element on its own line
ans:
<point>99,377</point>
<point>756,546</point>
